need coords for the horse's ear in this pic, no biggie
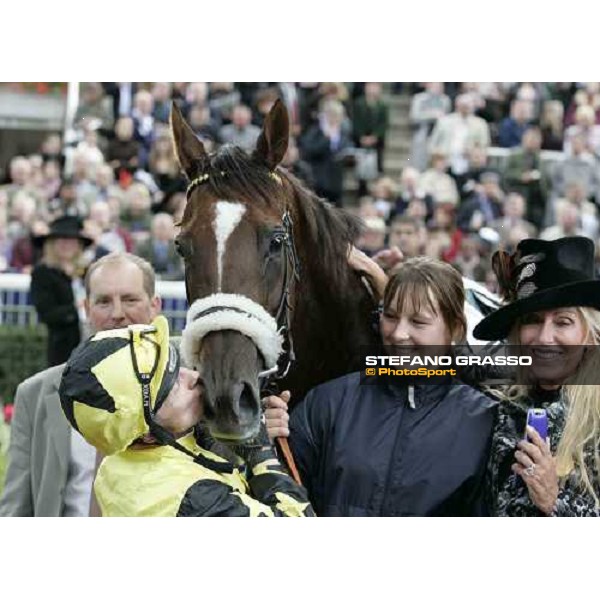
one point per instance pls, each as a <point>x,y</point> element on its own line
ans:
<point>273,140</point>
<point>189,150</point>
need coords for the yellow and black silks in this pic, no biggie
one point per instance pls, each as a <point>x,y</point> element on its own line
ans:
<point>161,481</point>
<point>112,386</point>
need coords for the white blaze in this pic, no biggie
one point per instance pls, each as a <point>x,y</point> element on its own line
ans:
<point>227,217</point>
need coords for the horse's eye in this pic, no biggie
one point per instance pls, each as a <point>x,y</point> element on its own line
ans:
<point>276,242</point>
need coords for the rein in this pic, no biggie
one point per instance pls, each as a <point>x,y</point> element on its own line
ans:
<point>269,376</point>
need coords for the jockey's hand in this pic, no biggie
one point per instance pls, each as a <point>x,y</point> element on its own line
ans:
<point>276,415</point>
<point>182,408</point>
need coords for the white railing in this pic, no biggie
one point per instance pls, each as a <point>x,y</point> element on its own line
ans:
<point>16,307</point>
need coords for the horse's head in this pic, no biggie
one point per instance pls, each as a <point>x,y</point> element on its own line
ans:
<point>240,265</point>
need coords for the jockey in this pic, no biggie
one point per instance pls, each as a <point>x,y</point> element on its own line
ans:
<point>125,392</point>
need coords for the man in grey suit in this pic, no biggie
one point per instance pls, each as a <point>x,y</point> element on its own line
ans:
<point>51,467</point>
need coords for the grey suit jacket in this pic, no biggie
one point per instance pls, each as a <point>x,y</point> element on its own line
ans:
<point>39,452</point>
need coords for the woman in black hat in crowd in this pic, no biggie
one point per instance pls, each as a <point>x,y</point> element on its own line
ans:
<point>554,310</point>
<point>56,284</point>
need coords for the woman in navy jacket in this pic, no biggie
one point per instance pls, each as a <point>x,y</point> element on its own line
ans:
<point>388,448</point>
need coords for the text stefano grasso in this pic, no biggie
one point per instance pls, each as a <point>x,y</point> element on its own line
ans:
<point>447,361</point>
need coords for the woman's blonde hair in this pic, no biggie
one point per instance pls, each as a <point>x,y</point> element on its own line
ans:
<point>582,424</point>
<point>50,258</point>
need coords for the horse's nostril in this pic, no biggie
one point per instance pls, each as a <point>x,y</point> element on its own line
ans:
<point>247,400</point>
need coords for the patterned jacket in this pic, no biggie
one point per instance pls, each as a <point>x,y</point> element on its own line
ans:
<point>509,494</point>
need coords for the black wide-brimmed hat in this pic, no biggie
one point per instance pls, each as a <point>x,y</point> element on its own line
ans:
<point>64,227</point>
<point>541,275</point>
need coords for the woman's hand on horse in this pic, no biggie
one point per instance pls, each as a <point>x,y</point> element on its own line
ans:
<point>537,467</point>
<point>276,415</point>
<point>361,263</point>
<point>390,257</point>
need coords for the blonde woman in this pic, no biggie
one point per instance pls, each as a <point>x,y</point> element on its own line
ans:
<point>554,309</point>
<point>55,289</point>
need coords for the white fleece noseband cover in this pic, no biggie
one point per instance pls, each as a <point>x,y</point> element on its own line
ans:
<point>253,321</point>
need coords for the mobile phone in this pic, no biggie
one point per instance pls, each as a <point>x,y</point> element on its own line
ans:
<point>538,419</point>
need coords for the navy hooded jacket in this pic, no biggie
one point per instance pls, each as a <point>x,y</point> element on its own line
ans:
<point>363,450</point>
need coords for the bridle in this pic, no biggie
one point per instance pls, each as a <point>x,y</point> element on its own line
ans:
<point>283,313</point>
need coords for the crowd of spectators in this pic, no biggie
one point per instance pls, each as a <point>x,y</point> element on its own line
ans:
<point>460,201</point>
<point>117,172</point>
<point>452,200</point>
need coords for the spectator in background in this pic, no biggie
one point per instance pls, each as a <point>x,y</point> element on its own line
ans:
<point>485,205</point>
<point>55,286</point>
<point>95,250</point>
<point>25,253</point>
<point>111,236</point>
<point>589,95</point>
<point>443,237</point>
<point>514,218</point>
<point>580,167</point>
<point>384,191</point>
<point>94,109</point>
<point>587,210</point>
<point>17,219</point>
<point>512,128</point>
<point>20,172</point>
<point>88,147</point>
<point>370,122</point>
<point>491,99</point>
<point>532,95</point>
<point>143,123</point>
<point>264,101</point>
<point>551,124</point>
<point>161,94</point>
<point>437,183</point>
<point>37,176</point>
<point>204,126</point>
<point>240,132</point>
<point>568,223</point>
<point>51,179</point>
<point>51,149</point>
<point>456,134</point>
<point>478,164</point>
<point>136,215</point>
<point>295,165</point>
<point>159,249</point>
<point>162,163</point>
<point>123,151</point>
<point>105,183</point>
<point>85,190</point>
<point>412,199</point>
<point>324,147</point>
<point>122,94</point>
<point>223,100</point>
<point>525,174</point>
<point>585,126</point>
<point>468,260</point>
<point>195,94</point>
<point>67,202</point>
<point>408,234</point>
<point>425,110</point>
<point>372,239</point>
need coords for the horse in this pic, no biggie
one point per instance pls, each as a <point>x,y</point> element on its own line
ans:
<point>267,279</point>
